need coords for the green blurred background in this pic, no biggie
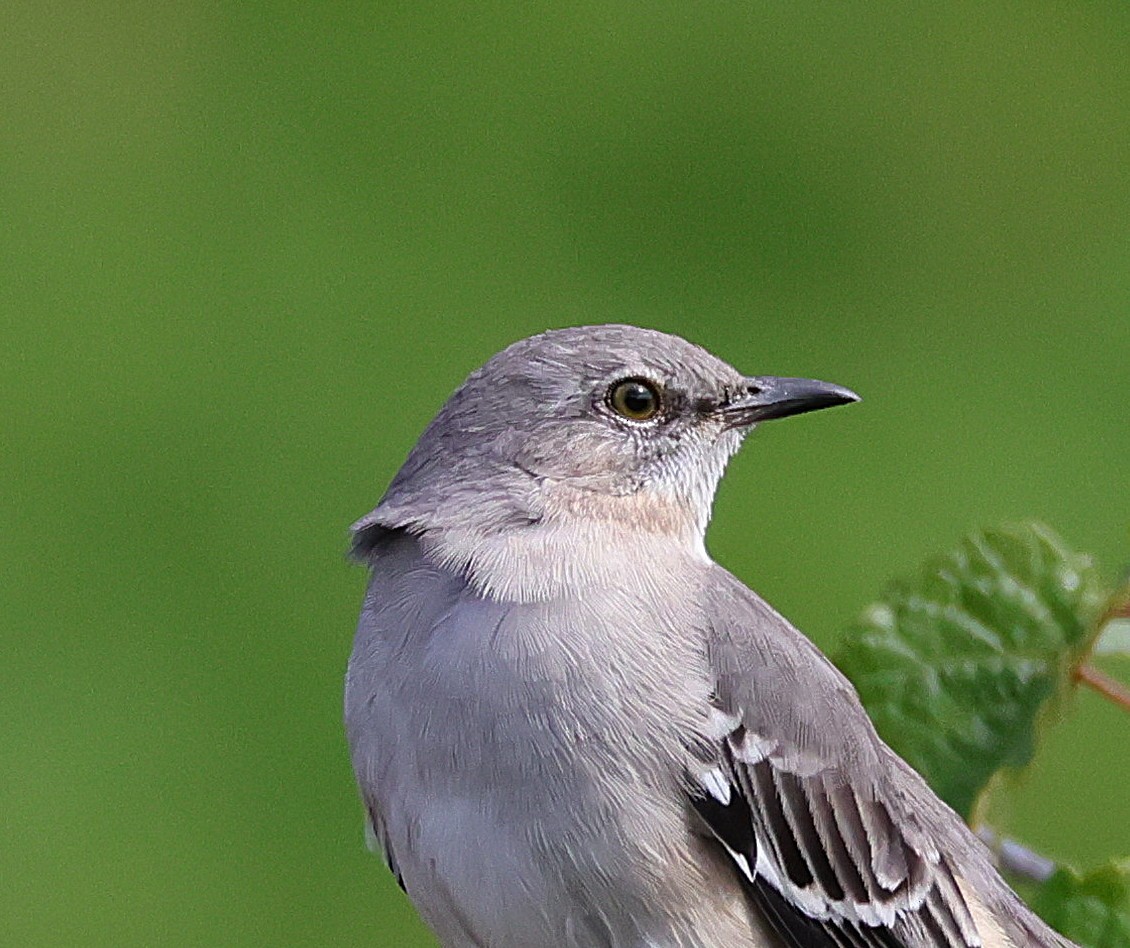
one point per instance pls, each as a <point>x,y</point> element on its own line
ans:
<point>249,248</point>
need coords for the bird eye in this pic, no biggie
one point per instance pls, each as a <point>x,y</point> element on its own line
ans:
<point>634,399</point>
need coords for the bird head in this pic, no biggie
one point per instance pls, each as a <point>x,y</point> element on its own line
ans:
<point>612,422</point>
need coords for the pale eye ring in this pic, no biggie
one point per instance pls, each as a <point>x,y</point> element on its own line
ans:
<point>635,399</point>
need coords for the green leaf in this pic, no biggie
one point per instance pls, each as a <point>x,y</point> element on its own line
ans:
<point>957,665</point>
<point>1092,909</point>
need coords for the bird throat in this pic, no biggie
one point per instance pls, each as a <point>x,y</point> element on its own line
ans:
<point>583,539</point>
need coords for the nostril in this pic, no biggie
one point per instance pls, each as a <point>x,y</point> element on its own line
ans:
<point>753,389</point>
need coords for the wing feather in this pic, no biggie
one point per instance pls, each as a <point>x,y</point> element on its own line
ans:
<point>838,843</point>
<point>826,821</point>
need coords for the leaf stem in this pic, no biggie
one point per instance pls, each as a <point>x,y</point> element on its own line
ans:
<point>1117,608</point>
<point>1016,858</point>
<point>1104,684</point>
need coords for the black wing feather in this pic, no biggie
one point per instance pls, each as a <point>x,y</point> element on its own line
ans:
<point>732,823</point>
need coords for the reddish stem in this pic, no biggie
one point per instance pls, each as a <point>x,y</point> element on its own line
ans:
<point>1108,687</point>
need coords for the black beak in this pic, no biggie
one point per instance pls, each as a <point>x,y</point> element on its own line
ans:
<point>767,397</point>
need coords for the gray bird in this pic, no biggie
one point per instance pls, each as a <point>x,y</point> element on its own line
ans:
<point>572,728</point>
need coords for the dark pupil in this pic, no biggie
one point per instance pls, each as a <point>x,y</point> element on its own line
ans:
<point>637,398</point>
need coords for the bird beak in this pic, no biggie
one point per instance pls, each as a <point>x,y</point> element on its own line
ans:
<point>767,396</point>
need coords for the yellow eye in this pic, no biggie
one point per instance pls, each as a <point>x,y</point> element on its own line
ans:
<point>634,399</point>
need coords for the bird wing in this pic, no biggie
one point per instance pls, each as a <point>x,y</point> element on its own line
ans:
<point>839,843</point>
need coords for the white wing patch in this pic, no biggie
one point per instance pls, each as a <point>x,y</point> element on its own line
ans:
<point>716,785</point>
<point>835,855</point>
<point>721,724</point>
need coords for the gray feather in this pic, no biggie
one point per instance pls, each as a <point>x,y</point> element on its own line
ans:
<point>847,834</point>
<point>571,728</point>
